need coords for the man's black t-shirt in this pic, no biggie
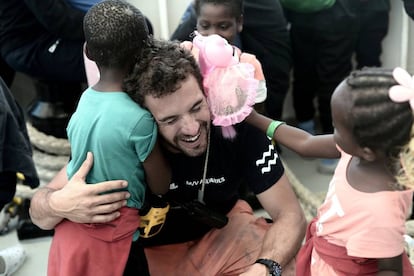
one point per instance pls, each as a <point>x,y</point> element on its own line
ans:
<point>250,157</point>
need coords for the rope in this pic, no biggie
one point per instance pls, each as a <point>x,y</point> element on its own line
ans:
<point>309,201</point>
<point>50,155</point>
<point>47,143</point>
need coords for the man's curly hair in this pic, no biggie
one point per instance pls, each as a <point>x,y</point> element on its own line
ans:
<point>161,70</point>
<point>115,33</point>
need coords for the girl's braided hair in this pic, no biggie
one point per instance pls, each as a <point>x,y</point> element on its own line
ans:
<point>378,122</point>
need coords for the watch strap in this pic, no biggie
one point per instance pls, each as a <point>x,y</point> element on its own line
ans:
<point>275,269</point>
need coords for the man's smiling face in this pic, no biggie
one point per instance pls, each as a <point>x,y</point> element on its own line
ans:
<point>183,118</point>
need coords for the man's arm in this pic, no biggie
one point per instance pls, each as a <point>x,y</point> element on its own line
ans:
<point>75,200</point>
<point>284,238</point>
<point>157,171</point>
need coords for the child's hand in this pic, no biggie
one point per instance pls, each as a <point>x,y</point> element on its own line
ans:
<point>188,45</point>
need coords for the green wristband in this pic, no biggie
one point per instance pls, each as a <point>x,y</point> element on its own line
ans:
<point>272,128</point>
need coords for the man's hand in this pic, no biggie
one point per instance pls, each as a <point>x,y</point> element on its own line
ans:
<point>84,203</point>
<point>256,270</point>
<point>75,200</point>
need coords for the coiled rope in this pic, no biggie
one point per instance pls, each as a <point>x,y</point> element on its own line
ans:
<point>50,155</point>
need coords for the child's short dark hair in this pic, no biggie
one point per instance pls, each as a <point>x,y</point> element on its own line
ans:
<point>115,33</point>
<point>236,6</point>
<point>377,121</point>
<point>161,70</point>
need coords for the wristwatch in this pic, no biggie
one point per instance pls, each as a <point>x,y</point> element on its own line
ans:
<point>274,267</point>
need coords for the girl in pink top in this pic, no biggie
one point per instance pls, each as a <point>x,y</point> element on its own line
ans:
<point>360,226</point>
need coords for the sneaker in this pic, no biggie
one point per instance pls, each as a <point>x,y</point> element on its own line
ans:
<point>13,258</point>
<point>327,166</point>
<point>308,126</point>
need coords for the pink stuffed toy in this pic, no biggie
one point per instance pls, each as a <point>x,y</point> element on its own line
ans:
<point>229,85</point>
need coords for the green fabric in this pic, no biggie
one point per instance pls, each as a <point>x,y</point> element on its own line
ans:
<point>307,6</point>
<point>119,133</point>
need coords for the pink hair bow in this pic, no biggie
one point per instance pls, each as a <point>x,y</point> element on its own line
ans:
<point>405,90</point>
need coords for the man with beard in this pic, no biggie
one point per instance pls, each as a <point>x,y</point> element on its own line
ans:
<point>207,171</point>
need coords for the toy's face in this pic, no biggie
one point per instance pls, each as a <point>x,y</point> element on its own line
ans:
<point>215,51</point>
<point>218,19</point>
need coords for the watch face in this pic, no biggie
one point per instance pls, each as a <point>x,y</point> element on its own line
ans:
<point>276,270</point>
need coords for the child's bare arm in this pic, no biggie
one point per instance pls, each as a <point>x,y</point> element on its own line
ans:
<point>301,142</point>
<point>390,266</point>
<point>157,171</point>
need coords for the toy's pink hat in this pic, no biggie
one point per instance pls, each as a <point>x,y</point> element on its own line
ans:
<point>230,86</point>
